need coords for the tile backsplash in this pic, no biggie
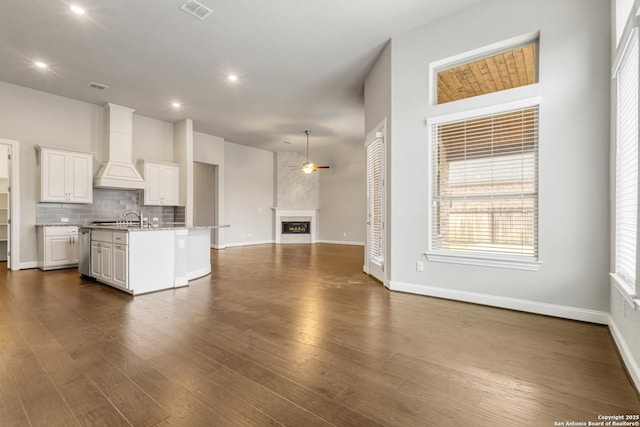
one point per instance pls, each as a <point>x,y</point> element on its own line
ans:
<point>108,204</point>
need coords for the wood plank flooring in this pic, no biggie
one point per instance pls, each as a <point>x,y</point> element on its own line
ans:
<point>291,335</point>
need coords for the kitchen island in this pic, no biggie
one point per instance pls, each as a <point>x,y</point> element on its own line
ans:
<point>142,260</point>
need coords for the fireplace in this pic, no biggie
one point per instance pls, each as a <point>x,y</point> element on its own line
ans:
<point>296,227</point>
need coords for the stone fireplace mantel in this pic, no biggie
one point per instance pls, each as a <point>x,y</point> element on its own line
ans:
<point>280,213</point>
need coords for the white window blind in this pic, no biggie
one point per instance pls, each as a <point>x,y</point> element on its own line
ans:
<point>485,184</point>
<point>374,196</point>
<point>626,227</point>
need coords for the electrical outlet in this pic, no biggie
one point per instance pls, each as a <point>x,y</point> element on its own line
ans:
<point>344,234</point>
<point>419,266</point>
<point>64,219</point>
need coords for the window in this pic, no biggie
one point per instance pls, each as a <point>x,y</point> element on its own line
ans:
<point>484,195</point>
<point>506,70</point>
<point>626,200</point>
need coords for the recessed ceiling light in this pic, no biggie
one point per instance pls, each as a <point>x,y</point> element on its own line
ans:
<point>77,10</point>
<point>40,64</point>
<point>176,105</point>
<point>232,77</point>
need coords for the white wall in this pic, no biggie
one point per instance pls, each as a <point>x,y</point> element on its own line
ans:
<point>343,197</point>
<point>574,132</point>
<point>153,139</point>
<point>249,180</point>
<point>38,118</point>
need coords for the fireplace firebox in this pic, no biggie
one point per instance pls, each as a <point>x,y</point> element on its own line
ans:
<point>296,227</point>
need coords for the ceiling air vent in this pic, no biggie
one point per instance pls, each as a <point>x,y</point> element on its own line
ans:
<point>197,9</point>
<point>98,86</point>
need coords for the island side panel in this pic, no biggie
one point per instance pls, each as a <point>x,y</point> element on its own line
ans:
<point>180,247</point>
<point>151,260</point>
<point>198,253</point>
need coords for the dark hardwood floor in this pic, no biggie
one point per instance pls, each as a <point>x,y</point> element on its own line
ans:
<point>291,335</point>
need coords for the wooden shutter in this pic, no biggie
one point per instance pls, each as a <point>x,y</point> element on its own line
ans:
<point>375,200</point>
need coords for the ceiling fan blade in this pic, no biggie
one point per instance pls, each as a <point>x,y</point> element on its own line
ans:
<point>323,167</point>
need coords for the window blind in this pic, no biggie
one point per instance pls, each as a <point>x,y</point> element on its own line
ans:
<point>374,196</point>
<point>485,184</point>
<point>626,227</point>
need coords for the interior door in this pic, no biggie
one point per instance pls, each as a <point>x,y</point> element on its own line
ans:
<point>375,254</point>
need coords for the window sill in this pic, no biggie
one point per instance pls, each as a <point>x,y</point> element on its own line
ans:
<point>516,264</point>
<point>625,290</point>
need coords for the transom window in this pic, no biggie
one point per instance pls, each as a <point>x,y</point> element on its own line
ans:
<point>513,68</point>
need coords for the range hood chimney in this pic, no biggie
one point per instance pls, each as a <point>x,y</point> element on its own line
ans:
<point>118,170</point>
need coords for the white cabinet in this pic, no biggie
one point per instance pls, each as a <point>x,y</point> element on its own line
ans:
<point>121,259</point>
<point>110,257</point>
<point>57,247</point>
<point>65,176</point>
<point>161,183</point>
<point>101,260</point>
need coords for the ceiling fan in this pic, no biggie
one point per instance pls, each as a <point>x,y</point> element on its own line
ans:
<point>308,167</point>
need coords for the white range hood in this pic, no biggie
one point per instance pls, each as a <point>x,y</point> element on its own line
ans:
<point>118,171</point>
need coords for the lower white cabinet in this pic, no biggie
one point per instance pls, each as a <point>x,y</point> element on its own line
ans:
<point>57,247</point>
<point>120,265</point>
<point>101,261</point>
<point>110,258</point>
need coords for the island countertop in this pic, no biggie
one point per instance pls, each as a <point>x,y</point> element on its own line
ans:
<point>152,228</point>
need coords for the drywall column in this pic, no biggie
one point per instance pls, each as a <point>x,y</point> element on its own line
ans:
<point>183,155</point>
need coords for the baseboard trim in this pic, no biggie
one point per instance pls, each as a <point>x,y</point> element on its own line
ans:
<point>341,242</point>
<point>536,307</point>
<point>29,264</point>
<point>198,273</point>
<point>627,356</point>
<point>218,246</point>
<point>259,242</point>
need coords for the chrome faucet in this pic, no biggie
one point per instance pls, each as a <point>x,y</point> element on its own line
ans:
<point>137,213</point>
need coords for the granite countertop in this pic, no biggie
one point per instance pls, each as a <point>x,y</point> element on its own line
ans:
<point>171,226</point>
<point>158,228</point>
<point>61,224</point>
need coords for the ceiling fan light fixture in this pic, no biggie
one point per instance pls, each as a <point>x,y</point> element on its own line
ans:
<point>308,167</point>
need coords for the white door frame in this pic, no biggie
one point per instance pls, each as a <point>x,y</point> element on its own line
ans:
<point>370,267</point>
<point>14,204</point>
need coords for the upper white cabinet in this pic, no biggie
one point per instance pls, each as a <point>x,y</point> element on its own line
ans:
<point>65,176</point>
<point>161,183</point>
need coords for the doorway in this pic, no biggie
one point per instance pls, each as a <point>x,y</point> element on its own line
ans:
<point>9,194</point>
<point>375,247</point>
<point>205,210</point>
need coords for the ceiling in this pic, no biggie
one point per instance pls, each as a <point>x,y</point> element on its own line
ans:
<point>301,64</point>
